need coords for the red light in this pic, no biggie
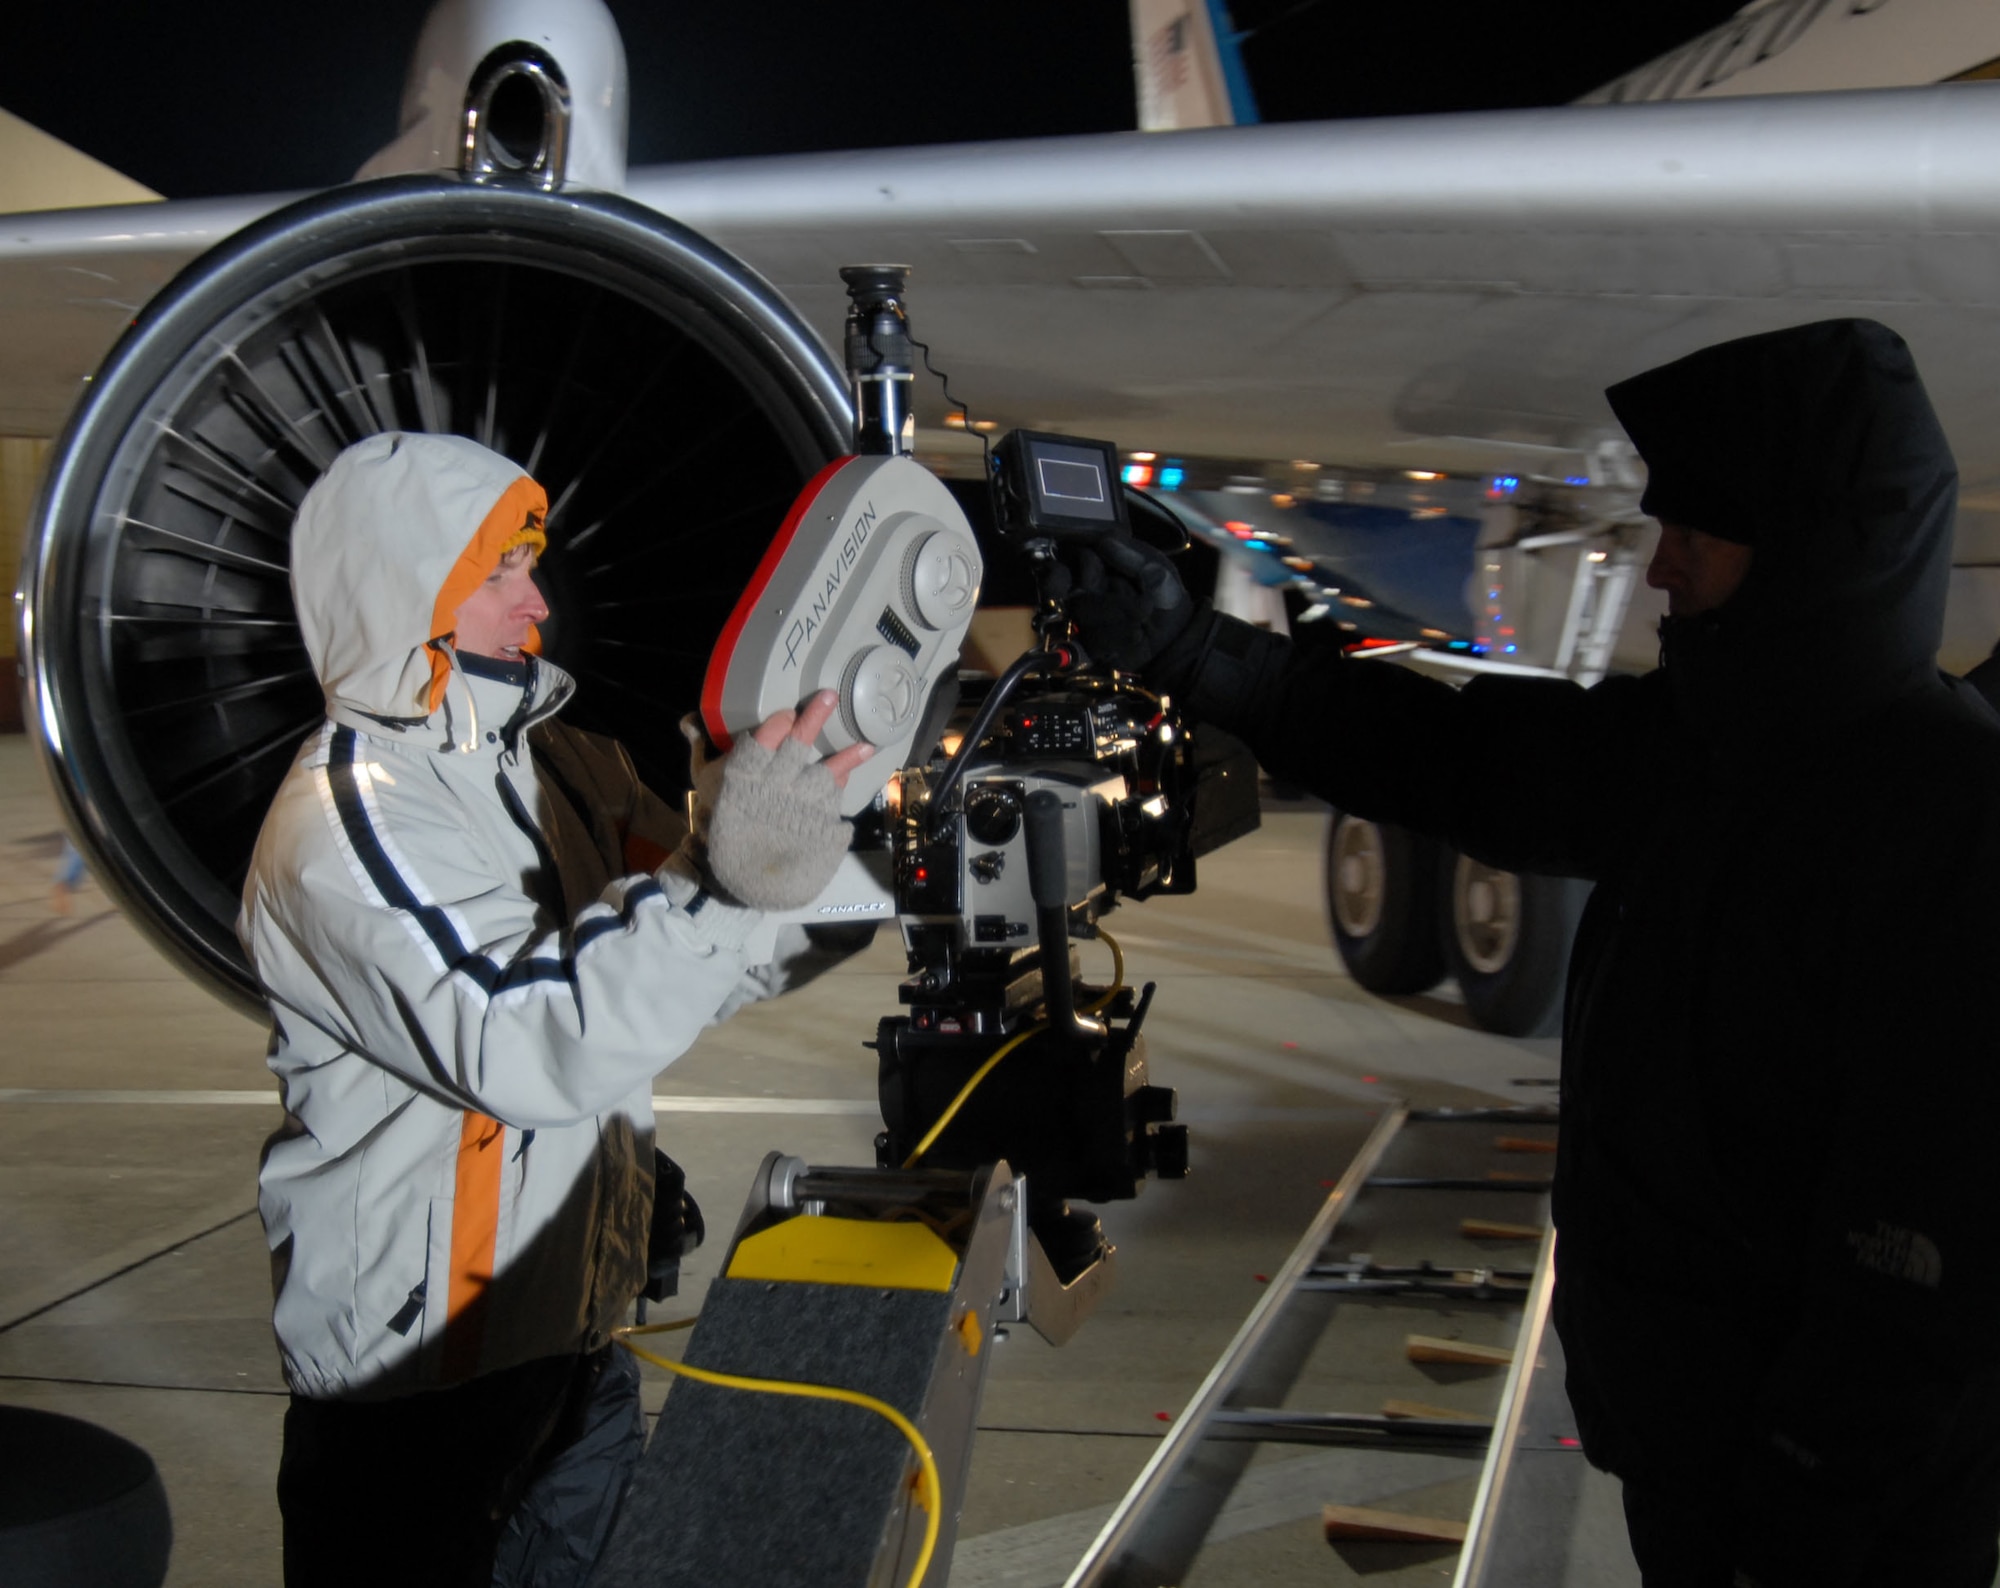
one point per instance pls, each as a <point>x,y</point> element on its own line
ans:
<point>923,874</point>
<point>1027,722</point>
<point>1239,529</point>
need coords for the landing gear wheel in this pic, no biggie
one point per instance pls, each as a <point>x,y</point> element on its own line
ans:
<point>1506,936</point>
<point>1381,896</point>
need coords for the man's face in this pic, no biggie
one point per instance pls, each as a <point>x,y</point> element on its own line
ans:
<point>1698,571</point>
<point>495,619</point>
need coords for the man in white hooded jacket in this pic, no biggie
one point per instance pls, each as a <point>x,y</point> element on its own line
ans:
<point>480,938</point>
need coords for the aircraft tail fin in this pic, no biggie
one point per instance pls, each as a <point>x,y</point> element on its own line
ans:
<point>1188,67</point>
<point>41,172</point>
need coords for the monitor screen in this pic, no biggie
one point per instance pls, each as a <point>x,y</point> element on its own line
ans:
<point>1072,481</point>
<point>1059,485</point>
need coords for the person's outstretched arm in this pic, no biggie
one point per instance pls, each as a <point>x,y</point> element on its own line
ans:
<point>1523,773</point>
<point>376,917</point>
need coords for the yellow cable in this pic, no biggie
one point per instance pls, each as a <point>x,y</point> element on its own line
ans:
<point>654,1328</point>
<point>965,1091</point>
<point>1117,972</point>
<point>930,1493</point>
<point>1007,1047</point>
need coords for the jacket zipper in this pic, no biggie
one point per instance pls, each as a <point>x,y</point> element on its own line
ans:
<point>411,1309</point>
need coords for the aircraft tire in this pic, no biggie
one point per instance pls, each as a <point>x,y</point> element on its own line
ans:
<point>672,404</point>
<point>1381,897</point>
<point>1505,937</point>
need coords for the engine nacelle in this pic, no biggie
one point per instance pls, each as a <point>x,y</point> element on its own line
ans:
<point>671,403</point>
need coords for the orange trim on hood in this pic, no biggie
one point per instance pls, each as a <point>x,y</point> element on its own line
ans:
<point>521,506</point>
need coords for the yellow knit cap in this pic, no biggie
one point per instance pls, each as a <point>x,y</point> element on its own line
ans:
<point>529,534</point>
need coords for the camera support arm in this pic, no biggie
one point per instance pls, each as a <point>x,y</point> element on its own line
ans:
<point>1048,879</point>
<point>1064,795</point>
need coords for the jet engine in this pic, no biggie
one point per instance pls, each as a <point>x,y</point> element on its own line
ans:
<point>669,400</point>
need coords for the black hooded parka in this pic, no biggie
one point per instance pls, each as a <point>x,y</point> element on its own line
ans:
<point>1778,1185</point>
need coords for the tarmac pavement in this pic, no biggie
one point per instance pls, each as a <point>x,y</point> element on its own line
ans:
<point>134,1283</point>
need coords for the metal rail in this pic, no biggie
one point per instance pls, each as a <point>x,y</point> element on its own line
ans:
<point>1479,1530</point>
<point>1164,1519</point>
<point>1112,1558</point>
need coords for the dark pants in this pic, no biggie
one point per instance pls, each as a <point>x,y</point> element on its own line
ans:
<point>1678,1545</point>
<point>511,1479</point>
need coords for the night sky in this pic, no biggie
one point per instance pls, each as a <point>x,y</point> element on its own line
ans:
<point>238,96</point>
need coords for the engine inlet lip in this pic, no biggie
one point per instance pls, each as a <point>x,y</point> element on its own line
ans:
<point>182,341</point>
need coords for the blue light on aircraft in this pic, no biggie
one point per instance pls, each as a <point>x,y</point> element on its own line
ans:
<point>1459,645</point>
<point>1510,649</point>
<point>1171,477</point>
<point>1576,479</point>
<point>1504,484</point>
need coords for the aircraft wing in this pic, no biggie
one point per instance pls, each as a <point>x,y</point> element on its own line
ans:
<point>1446,292</point>
<point>71,280</point>
<point>1439,292</point>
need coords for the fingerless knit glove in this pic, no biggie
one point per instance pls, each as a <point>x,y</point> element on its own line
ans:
<point>767,824</point>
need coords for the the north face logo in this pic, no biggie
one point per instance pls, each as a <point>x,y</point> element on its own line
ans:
<point>1900,1253</point>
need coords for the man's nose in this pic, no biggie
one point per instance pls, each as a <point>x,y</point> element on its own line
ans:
<point>532,606</point>
<point>1664,571</point>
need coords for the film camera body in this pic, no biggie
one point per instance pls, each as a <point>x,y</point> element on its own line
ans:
<point>1070,789</point>
<point>1000,819</point>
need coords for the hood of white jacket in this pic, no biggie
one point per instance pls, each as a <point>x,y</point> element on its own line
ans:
<point>400,525</point>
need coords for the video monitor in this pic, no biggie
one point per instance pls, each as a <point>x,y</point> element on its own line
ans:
<point>1061,485</point>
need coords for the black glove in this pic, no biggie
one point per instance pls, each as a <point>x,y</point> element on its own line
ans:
<point>677,1229</point>
<point>1125,598</point>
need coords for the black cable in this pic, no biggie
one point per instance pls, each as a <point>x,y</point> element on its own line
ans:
<point>965,417</point>
<point>964,410</point>
<point>982,721</point>
<point>1286,15</point>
